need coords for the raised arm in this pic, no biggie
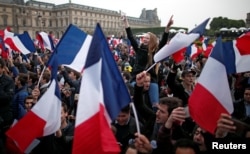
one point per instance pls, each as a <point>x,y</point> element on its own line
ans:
<point>166,33</point>
<point>129,33</point>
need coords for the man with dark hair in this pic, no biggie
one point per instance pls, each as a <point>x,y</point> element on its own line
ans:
<point>18,107</point>
<point>7,87</point>
<point>186,146</point>
<point>125,127</point>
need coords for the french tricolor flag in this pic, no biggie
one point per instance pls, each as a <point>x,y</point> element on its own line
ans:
<point>103,94</point>
<point>69,52</point>
<point>211,95</point>
<point>237,54</point>
<point>45,41</point>
<point>43,119</point>
<point>180,41</point>
<point>19,42</point>
<point>193,51</point>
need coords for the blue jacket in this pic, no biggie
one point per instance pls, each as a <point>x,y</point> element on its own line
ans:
<point>18,106</point>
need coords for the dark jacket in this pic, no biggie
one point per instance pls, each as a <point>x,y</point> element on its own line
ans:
<point>177,88</point>
<point>141,58</point>
<point>7,87</point>
<point>145,112</point>
<point>18,107</point>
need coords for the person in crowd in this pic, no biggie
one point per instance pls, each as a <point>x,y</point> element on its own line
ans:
<point>29,103</point>
<point>44,83</point>
<point>228,127</point>
<point>242,107</point>
<point>144,56</point>
<point>64,136</point>
<point>186,146</point>
<point>171,115</point>
<point>183,90</point>
<point>125,127</point>
<point>7,87</point>
<point>21,93</point>
<point>32,81</point>
<point>72,79</point>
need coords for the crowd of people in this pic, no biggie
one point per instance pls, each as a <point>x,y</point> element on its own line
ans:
<point>160,96</point>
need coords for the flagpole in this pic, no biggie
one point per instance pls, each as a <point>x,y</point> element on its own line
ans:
<point>151,67</point>
<point>136,118</point>
<point>40,78</point>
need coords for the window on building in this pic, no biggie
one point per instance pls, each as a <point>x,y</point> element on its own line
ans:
<point>5,20</point>
<point>61,22</point>
<point>24,22</point>
<point>50,23</point>
<point>67,21</point>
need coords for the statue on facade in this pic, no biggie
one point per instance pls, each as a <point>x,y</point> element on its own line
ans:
<point>143,14</point>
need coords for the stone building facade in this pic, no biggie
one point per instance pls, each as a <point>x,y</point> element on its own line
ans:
<point>34,16</point>
<point>248,20</point>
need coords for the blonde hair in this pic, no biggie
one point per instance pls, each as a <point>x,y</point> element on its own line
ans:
<point>152,47</point>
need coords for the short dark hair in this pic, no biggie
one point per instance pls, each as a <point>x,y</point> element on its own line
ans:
<point>28,97</point>
<point>23,78</point>
<point>126,109</point>
<point>186,143</point>
<point>171,102</point>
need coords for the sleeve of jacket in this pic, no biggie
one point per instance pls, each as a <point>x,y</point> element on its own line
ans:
<point>140,105</point>
<point>144,112</point>
<point>163,40</point>
<point>164,144</point>
<point>171,81</point>
<point>14,70</point>
<point>131,38</point>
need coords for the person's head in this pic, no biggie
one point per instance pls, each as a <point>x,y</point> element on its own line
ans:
<point>33,78</point>
<point>199,138</point>
<point>165,107</point>
<point>29,102</point>
<point>73,75</point>
<point>45,78</point>
<point>186,146</point>
<point>247,95</point>
<point>146,82</point>
<point>64,112</point>
<point>21,79</point>
<point>188,76</point>
<point>152,47</point>
<point>146,39</point>
<point>124,115</point>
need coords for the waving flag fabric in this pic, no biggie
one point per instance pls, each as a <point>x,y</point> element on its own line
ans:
<point>20,42</point>
<point>103,94</point>
<point>237,54</point>
<point>193,51</point>
<point>43,119</point>
<point>73,47</point>
<point>45,41</point>
<point>211,95</point>
<point>180,41</point>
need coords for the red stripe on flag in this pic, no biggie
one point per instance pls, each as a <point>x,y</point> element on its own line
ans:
<point>95,136</point>
<point>204,108</point>
<point>26,130</point>
<point>242,43</point>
